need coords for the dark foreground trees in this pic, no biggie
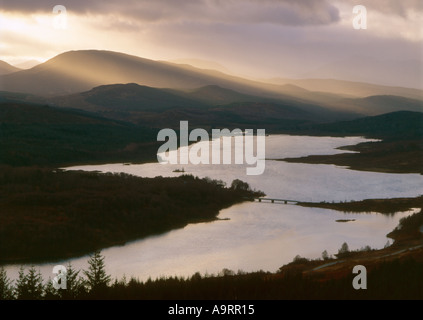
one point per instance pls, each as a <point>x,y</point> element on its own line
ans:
<point>6,291</point>
<point>31,286</point>
<point>97,279</point>
<point>397,279</point>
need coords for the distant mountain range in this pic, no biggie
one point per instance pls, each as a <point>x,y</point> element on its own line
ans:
<point>27,64</point>
<point>363,68</point>
<point>79,71</point>
<point>157,93</point>
<point>349,89</point>
<point>101,106</point>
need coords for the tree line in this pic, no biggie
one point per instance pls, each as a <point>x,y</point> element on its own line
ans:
<point>397,279</point>
<point>31,286</point>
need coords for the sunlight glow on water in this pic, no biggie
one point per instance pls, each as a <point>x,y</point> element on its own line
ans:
<point>261,235</point>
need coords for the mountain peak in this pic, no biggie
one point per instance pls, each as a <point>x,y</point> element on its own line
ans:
<point>6,68</point>
<point>78,71</point>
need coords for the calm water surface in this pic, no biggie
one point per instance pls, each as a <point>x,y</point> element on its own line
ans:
<point>261,236</point>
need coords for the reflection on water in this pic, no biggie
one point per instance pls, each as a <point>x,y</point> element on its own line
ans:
<point>262,235</point>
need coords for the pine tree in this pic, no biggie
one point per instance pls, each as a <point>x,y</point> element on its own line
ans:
<point>29,286</point>
<point>325,255</point>
<point>97,279</point>
<point>50,293</point>
<point>74,284</point>
<point>20,288</point>
<point>343,251</point>
<point>344,248</point>
<point>6,291</point>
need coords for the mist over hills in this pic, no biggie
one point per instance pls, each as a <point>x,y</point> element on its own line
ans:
<point>363,68</point>
<point>216,95</point>
<point>349,89</point>
<point>78,71</point>
<point>129,97</point>
<point>27,64</point>
<point>6,68</point>
<point>125,87</point>
<point>134,97</point>
<point>101,106</point>
<point>213,104</point>
<point>202,64</point>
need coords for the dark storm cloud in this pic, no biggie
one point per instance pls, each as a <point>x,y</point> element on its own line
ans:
<point>260,38</point>
<point>284,12</point>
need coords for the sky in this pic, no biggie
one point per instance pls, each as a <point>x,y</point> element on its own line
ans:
<point>254,38</point>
